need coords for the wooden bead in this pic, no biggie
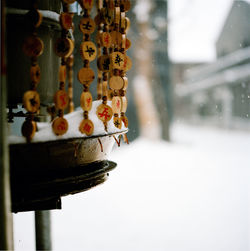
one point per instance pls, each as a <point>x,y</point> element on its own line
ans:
<point>86,101</point>
<point>127,63</point>
<point>125,79</point>
<point>66,20</point>
<point>33,46</point>
<point>116,37</point>
<point>35,74</point>
<point>116,83</point>
<point>61,99</point>
<point>86,76</point>
<point>106,39</point>
<point>31,101</point>
<point>126,4</point>
<point>116,104</point>
<point>107,15</point>
<point>87,25</point>
<point>86,4</point>
<point>104,112</point>
<point>117,122</point>
<point>35,17</point>
<point>29,129</point>
<point>88,50</point>
<point>104,63</point>
<point>62,73</point>
<point>127,44</point>
<point>111,4</point>
<point>64,47</point>
<point>117,15</point>
<point>125,121</point>
<point>70,61</point>
<point>127,24</point>
<point>86,127</point>
<point>124,104</point>
<point>60,126</point>
<point>117,59</point>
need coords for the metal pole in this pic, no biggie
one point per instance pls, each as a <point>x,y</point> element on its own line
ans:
<point>6,221</point>
<point>43,230</point>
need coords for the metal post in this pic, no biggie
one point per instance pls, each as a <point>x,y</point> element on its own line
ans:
<point>43,230</point>
<point>6,221</point>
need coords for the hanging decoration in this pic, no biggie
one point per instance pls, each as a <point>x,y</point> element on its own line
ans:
<point>63,48</point>
<point>33,47</point>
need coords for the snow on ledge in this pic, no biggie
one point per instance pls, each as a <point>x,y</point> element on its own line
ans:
<point>74,119</point>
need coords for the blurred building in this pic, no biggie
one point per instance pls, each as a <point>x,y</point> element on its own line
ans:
<point>219,92</point>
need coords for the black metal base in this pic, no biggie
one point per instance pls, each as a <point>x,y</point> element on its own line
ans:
<point>43,189</point>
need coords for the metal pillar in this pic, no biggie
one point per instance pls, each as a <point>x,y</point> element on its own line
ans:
<point>43,230</point>
<point>6,222</point>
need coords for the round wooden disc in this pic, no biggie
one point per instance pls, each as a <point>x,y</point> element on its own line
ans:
<point>116,104</point>
<point>127,5</point>
<point>117,122</point>
<point>29,129</point>
<point>86,127</point>
<point>116,82</point>
<point>107,16</point>
<point>88,50</point>
<point>127,63</point>
<point>127,44</point>
<point>87,25</point>
<point>106,39</point>
<point>62,73</point>
<point>35,74</point>
<point>60,126</point>
<point>33,46</point>
<point>86,4</point>
<point>116,37</point>
<point>35,17</point>
<point>61,99</point>
<point>117,60</point>
<point>104,63</point>
<point>111,4</point>
<point>31,101</point>
<point>124,104</point>
<point>86,75</point>
<point>64,47</point>
<point>104,112</point>
<point>86,101</point>
<point>125,121</point>
<point>66,20</point>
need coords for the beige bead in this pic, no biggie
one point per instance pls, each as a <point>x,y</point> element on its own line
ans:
<point>86,127</point>
<point>124,104</point>
<point>116,83</point>
<point>88,50</point>
<point>86,101</point>
<point>117,59</point>
<point>116,104</point>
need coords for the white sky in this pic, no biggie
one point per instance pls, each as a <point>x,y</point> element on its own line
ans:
<point>194,27</point>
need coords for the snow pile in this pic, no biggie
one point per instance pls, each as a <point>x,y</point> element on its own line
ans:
<point>74,119</point>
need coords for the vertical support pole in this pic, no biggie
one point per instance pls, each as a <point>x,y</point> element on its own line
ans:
<point>6,221</point>
<point>43,230</point>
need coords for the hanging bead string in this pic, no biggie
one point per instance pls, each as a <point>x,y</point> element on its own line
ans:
<point>104,111</point>
<point>63,48</point>
<point>86,74</point>
<point>33,47</point>
<point>69,65</point>
<point>99,23</point>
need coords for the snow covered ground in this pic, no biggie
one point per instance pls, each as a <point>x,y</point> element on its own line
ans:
<point>191,194</point>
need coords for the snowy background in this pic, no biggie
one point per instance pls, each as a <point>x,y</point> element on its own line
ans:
<point>191,194</point>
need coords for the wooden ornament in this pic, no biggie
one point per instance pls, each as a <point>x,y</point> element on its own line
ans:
<point>86,101</point>
<point>124,104</point>
<point>86,127</point>
<point>107,15</point>
<point>106,39</point>
<point>86,75</point>
<point>116,104</point>
<point>61,99</point>
<point>117,59</point>
<point>33,46</point>
<point>126,4</point>
<point>104,63</point>
<point>125,79</point>
<point>116,82</point>
<point>104,112</point>
<point>31,101</point>
<point>60,126</point>
<point>111,4</point>
<point>127,44</point>
<point>125,121</point>
<point>127,24</point>
<point>127,63</point>
<point>35,17</point>
<point>28,129</point>
<point>116,37</point>
<point>62,73</point>
<point>86,4</point>
<point>117,15</point>
<point>66,20</point>
<point>117,122</point>
<point>88,50</point>
<point>35,74</point>
<point>87,25</point>
<point>64,47</point>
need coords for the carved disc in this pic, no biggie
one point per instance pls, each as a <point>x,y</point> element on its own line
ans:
<point>86,127</point>
<point>86,75</point>
<point>116,83</point>
<point>61,99</point>
<point>33,46</point>
<point>64,47</point>
<point>116,104</point>
<point>117,60</point>
<point>87,25</point>
<point>88,50</point>
<point>117,122</point>
<point>104,112</point>
<point>60,126</point>
<point>35,74</point>
<point>86,101</point>
<point>31,101</point>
